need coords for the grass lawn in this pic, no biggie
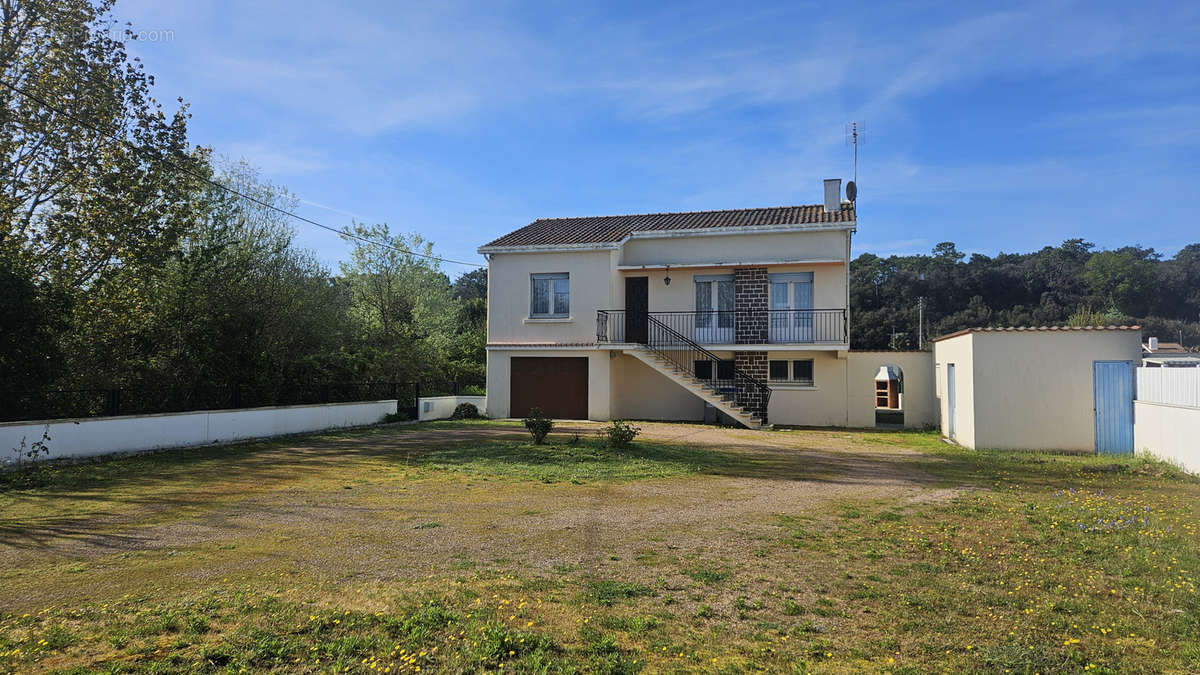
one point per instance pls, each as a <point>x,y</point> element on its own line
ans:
<point>461,547</point>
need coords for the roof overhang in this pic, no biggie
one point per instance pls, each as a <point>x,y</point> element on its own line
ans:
<point>735,263</point>
<point>1037,330</point>
<point>851,225</point>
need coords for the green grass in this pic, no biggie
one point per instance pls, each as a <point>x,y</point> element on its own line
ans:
<point>608,592</point>
<point>587,460</point>
<point>982,562</point>
<point>232,631</point>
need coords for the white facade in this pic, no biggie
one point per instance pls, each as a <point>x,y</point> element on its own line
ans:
<point>689,273</point>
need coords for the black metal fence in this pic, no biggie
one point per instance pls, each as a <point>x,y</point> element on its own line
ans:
<point>782,326</point>
<point>70,403</point>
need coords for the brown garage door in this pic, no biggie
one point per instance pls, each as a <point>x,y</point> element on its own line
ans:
<point>556,385</point>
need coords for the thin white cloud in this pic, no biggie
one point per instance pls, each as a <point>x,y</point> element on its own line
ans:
<point>274,161</point>
<point>349,214</point>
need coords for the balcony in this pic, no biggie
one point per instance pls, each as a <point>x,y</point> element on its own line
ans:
<point>778,326</point>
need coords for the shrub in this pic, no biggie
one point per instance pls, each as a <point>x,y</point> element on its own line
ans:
<point>465,411</point>
<point>538,425</point>
<point>392,418</point>
<point>620,434</point>
<point>28,467</point>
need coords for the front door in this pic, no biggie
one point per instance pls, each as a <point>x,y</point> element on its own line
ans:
<point>714,309</point>
<point>637,309</point>
<point>1113,393</point>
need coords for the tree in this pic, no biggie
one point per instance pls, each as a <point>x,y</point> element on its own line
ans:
<point>1122,279</point>
<point>32,315</point>
<point>402,303</point>
<point>75,204</point>
<point>239,301</point>
<point>472,285</point>
<point>1046,287</point>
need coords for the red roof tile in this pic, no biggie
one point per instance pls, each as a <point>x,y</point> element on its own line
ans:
<point>1032,329</point>
<point>611,229</point>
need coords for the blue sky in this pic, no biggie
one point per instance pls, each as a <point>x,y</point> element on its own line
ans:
<point>1002,127</point>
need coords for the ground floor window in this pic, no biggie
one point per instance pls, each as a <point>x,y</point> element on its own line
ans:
<point>704,370</point>
<point>797,371</point>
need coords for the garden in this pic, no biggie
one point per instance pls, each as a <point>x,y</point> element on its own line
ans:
<point>464,546</point>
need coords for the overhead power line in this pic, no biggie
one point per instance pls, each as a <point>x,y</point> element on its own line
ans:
<point>206,179</point>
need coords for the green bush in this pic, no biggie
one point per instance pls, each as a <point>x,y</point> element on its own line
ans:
<point>620,434</point>
<point>465,411</point>
<point>538,425</point>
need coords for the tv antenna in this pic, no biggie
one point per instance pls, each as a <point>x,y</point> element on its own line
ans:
<point>855,133</point>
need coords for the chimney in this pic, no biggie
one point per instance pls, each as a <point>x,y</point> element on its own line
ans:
<point>833,195</point>
<point>1152,343</point>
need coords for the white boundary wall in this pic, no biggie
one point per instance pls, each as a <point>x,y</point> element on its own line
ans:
<point>442,407</point>
<point>1170,432</point>
<point>89,437</point>
<point>1166,415</point>
<point>1175,386</point>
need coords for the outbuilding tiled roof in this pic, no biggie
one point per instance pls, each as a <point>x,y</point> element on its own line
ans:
<point>611,229</point>
<point>1033,329</point>
<point>1167,348</point>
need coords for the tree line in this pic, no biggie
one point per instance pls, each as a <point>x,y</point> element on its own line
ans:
<point>122,265</point>
<point>1069,284</point>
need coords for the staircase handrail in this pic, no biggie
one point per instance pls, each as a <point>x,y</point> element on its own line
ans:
<point>689,368</point>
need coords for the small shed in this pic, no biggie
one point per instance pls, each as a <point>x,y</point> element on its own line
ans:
<point>1044,388</point>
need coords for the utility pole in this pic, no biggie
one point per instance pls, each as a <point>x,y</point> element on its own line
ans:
<point>921,323</point>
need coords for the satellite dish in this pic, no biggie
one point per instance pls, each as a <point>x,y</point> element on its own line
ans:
<point>851,191</point>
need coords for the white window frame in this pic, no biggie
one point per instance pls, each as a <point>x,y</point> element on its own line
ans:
<point>554,310</point>
<point>790,319</point>
<point>714,325</point>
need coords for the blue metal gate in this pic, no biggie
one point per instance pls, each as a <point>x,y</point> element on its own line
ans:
<point>1113,403</point>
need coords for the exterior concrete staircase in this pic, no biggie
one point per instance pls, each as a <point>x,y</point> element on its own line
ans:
<point>723,401</point>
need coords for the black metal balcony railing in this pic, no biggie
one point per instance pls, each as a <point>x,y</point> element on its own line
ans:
<point>777,326</point>
<point>806,326</point>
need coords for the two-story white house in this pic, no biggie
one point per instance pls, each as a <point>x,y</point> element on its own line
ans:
<point>674,316</point>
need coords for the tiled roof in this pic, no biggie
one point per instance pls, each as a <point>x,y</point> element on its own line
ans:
<point>611,229</point>
<point>500,345</point>
<point>1033,329</point>
<point>1167,348</point>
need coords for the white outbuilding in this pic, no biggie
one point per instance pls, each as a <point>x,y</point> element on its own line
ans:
<point>1043,388</point>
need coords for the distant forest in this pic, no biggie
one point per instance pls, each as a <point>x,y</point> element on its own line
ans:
<point>1071,283</point>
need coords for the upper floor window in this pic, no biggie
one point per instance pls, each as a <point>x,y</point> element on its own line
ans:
<point>714,315</point>
<point>791,315</point>
<point>792,291</point>
<point>550,296</point>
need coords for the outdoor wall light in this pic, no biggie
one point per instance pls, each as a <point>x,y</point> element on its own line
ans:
<point>667,278</point>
